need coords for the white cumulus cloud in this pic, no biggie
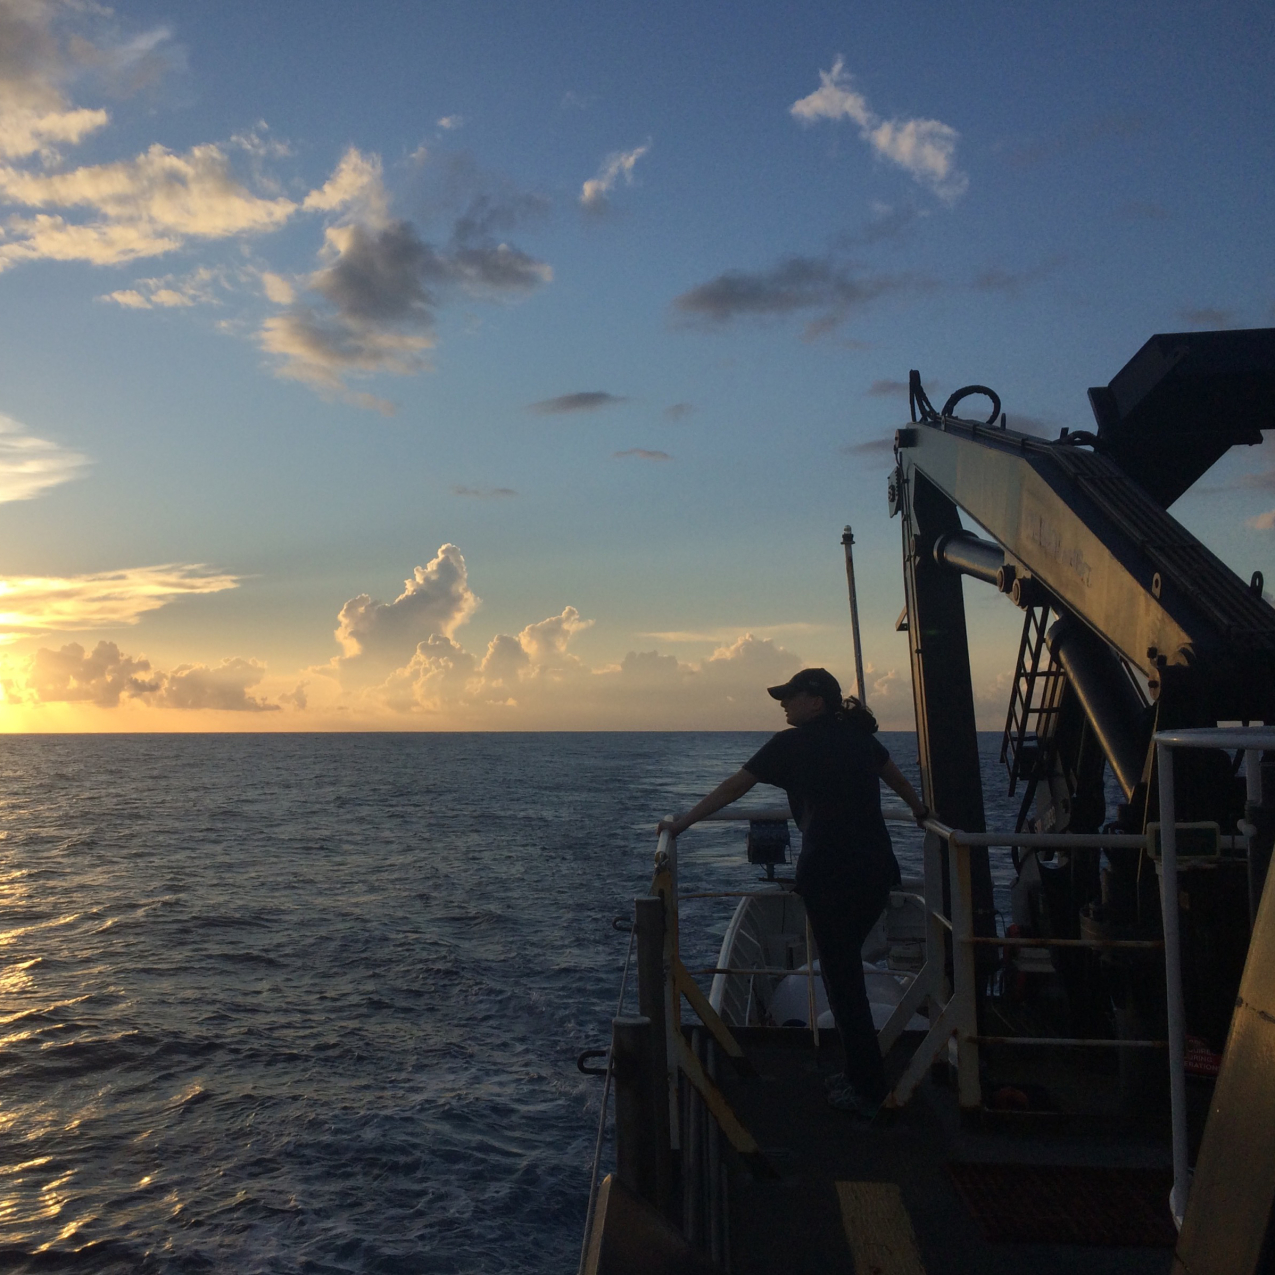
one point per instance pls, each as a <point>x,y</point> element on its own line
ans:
<point>923,147</point>
<point>436,600</point>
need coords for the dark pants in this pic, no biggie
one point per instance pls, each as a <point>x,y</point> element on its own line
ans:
<point>841,921</point>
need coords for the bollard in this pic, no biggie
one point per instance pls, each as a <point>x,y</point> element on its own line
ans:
<point>649,929</point>
<point>636,1144</point>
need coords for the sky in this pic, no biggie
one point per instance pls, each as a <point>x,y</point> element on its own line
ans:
<point>423,366</point>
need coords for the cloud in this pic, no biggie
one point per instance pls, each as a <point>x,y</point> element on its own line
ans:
<point>581,401</point>
<point>532,678</point>
<point>436,600</point>
<point>1262,522</point>
<point>888,223</point>
<point>871,447</point>
<point>277,288</point>
<point>356,184</point>
<point>1070,139</point>
<point>641,453</point>
<point>573,101</point>
<point>924,148</point>
<point>36,116</point>
<point>379,285</point>
<point>141,207</point>
<point>595,193</point>
<point>888,389</point>
<point>1208,317</point>
<point>726,635</point>
<point>1264,480</point>
<point>678,411</point>
<point>104,676</point>
<point>535,681</point>
<point>297,697</point>
<point>105,213</point>
<point>484,493</point>
<point>108,599</point>
<point>170,291</point>
<point>997,279</point>
<point>223,686</point>
<point>70,675</point>
<point>796,283</point>
<point>30,466</point>
<point>451,122</point>
<point>886,685</point>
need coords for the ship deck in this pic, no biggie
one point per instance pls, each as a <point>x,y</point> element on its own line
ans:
<point>805,1222</point>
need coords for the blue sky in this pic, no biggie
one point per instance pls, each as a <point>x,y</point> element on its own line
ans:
<point>614,299</point>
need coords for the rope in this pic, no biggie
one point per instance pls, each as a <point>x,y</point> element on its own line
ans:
<point>602,1120</point>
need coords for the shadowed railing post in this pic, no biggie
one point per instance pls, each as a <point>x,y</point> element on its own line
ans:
<point>636,1140</point>
<point>648,913</point>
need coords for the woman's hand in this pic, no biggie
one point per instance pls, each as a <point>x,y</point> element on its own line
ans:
<point>921,813</point>
<point>673,826</point>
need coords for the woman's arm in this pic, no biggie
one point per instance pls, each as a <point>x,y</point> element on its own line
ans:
<point>896,780</point>
<point>731,789</point>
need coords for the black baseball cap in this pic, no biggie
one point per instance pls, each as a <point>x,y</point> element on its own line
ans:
<point>814,681</point>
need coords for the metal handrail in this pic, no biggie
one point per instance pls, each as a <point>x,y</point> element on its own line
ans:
<point>1254,740</point>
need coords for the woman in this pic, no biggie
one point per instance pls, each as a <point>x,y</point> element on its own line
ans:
<point>829,764</point>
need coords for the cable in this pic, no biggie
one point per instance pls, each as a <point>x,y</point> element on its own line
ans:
<point>965,391</point>
<point>918,401</point>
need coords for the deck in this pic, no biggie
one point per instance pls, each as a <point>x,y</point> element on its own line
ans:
<point>796,1225</point>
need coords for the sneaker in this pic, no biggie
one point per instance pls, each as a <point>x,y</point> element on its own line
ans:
<point>835,1081</point>
<point>845,1097</point>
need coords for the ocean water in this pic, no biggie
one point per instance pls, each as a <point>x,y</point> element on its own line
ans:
<point>312,1003</point>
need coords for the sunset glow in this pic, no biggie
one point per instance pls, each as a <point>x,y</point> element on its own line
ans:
<point>469,368</point>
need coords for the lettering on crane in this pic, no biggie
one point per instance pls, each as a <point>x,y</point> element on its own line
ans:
<point>1040,531</point>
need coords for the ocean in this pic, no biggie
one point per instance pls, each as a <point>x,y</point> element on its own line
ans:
<point>312,1003</point>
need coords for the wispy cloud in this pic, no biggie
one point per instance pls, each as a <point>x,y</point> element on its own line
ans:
<point>30,465</point>
<point>678,411</point>
<point>871,447</point>
<point>796,283</point>
<point>199,287</point>
<point>1011,282</point>
<point>1077,136</point>
<point>450,123</point>
<point>641,453</point>
<point>581,401</point>
<point>484,493</point>
<point>595,193</point>
<point>1209,317</point>
<point>141,207</point>
<point>922,147</point>
<point>102,600</point>
<point>107,213</point>
<point>888,389</point>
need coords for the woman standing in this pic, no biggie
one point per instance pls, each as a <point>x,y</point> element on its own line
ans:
<point>830,765</point>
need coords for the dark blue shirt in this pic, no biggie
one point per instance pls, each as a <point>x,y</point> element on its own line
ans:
<point>830,768</point>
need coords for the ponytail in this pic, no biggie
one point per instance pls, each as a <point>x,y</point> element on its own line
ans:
<point>856,713</point>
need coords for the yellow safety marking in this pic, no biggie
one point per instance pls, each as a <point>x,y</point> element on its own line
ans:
<point>879,1229</point>
<point>708,1015</point>
<point>727,1120</point>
